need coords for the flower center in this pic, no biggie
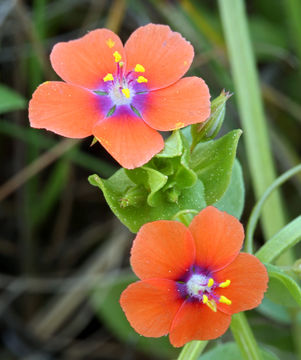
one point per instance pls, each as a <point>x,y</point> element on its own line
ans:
<point>121,88</point>
<point>202,288</point>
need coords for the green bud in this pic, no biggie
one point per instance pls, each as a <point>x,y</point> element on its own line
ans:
<point>134,196</point>
<point>210,128</point>
<point>172,195</point>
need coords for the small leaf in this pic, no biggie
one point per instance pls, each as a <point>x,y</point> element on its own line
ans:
<point>115,188</point>
<point>173,146</point>
<point>283,289</point>
<point>105,301</point>
<point>234,198</point>
<point>213,162</point>
<point>230,351</point>
<point>10,100</point>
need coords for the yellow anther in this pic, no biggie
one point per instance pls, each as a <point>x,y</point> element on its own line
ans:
<point>205,299</point>
<point>225,300</point>
<point>225,284</point>
<point>142,79</point>
<point>117,56</point>
<point>211,304</point>
<point>110,43</point>
<point>139,68</point>
<point>210,282</point>
<point>126,92</point>
<point>108,77</point>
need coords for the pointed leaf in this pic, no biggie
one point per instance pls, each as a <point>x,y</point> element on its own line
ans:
<point>233,199</point>
<point>283,289</point>
<point>213,162</point>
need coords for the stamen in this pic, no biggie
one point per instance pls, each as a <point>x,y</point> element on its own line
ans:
<point>117,56</point>
<point>121,63</point>
<point>225,300</point>
<point>108,77</point>
<point>205,299</point>
<point>126,92</point>
<point>142,79</point>
<point>210,282</point>
<point>139,68</point>
<point>110,43</point>
<point>211,304</point>
<point>225,284</point>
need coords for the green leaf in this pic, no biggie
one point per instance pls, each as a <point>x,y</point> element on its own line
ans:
<point>230,351</point>
<point>106,304</point>
<point>150,178</point>
<point>213,162</point>
<point>234,198</point>
<point>210,128</point>
<point>283,289</point>
<point>287,237</point>
<point>115,188</point>
<point>10,100</point>
<point>173,146</point>
<point>274,311</point>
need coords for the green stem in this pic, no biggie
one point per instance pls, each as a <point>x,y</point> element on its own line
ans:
<point>251,111</point>
<point>192,350</point>
<point>244,337</point>
<point>293,10</point>
<point>258,207</point>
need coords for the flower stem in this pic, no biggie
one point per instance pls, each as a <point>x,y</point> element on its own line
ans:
<point>192,350</point>
<point>244,337</point>
<point>254,217</point>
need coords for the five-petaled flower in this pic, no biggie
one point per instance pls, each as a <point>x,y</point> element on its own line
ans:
<point>192,279</point>
<point>122,95</point>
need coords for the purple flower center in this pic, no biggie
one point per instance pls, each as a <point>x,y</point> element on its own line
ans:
<point>123,92</point>
<point>200,286</point>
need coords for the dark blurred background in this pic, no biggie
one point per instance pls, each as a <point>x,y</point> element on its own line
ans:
<point>63,255</point>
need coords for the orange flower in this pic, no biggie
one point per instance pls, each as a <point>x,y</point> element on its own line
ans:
<point>122,95</point>
<point>192,279</point>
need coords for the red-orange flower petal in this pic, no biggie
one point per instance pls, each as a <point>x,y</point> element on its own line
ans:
<point>249,281</point>
<point>65,109</point>
<point>195,321</point>
<point>183,103</point>
<point>87,60</point>
<point>150,306</point>
<point>218,237</point>
<point>165,55</point>
<point>163,249</point>
<point>128,139</point>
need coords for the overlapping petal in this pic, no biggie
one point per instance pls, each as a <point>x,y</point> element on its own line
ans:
<point>249,281</point>
<point>165,55</point>
<point>183,103</point>
<point>145,304</point>
<point>65,109</point>
<point>218,238</point>
<point>87,60</point>
<point>128,139</point>
<point>195,321</point>
<point>163,249</point>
